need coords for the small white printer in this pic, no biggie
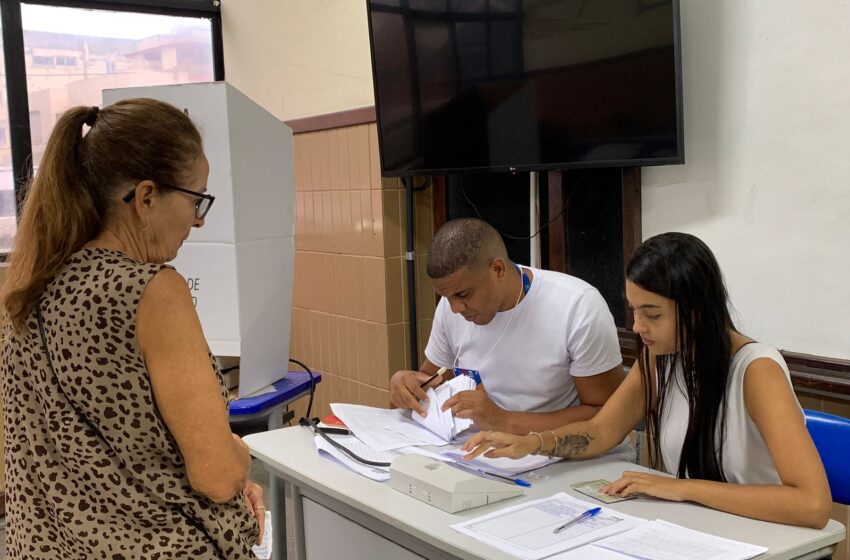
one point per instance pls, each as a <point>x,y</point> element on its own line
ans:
<point>444,486</point>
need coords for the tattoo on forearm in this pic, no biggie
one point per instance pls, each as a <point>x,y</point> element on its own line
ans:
<point>572,445</point>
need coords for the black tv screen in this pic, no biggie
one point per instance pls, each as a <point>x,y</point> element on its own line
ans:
<point>470,86</point>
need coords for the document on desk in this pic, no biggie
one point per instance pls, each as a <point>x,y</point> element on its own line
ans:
<point>444,424</point>
<point>660,540</point>
<point>368,423</point>
<point>528,530</point>
<point>380,474</point>
<point>502,465</point>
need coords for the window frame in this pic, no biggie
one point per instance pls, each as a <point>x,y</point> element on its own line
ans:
<point>19,133</point>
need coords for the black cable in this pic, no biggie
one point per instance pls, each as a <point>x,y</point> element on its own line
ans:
<point>544,226</point>
<point>312,385</point>
<point>309,422</point>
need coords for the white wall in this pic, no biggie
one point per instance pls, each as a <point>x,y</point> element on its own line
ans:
<point>299,58</point>
<point>767,126</point>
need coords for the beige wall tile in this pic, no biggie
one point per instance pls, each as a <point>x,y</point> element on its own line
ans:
<point>323,151</point>
<point>366,336</point>
<point>392,204</point>
<point>358,281</point>
<point>307,234</point>
<point>306,162</point>
<point>328,239</point>
<point>357,223</point>
<point>351,393</point>
<point>374,157</point>
<point>335,181</point>
<point>396,349</point>
<point>338,232</point>
<point>298,161</point>
<point>347,241</point>
<point>374,245</point>
<point>382,363</point>
<point>423,220</point>
<point>299,221</point>
<point>357,148</point>
<point>333,344</point>
<point>363,156</point>
<point>353,328</point>
<point>375,289</point>
<point>343,159</point>
<point>315,160</point>
<point>395,289</point>
<point>368,225</point>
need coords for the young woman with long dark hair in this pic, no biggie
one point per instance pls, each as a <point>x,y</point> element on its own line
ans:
<point>720,411</point>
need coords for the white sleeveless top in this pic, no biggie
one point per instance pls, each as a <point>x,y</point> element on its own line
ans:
<point>746,459</point>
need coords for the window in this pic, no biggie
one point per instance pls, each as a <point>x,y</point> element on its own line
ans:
<point>95,50</point>
<point>65,56</point>
<point>8,223</point>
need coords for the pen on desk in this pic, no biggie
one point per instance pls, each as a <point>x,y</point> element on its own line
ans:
<point>586,515</point>
<point>517,481</point>
<point>440,372</point>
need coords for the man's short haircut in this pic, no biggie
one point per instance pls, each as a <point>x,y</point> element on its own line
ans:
<point>463,242</point>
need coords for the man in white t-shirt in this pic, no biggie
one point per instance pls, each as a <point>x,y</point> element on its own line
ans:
<point>544,343</point>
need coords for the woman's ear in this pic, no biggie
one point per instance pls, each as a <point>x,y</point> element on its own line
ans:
<point>146,199</point>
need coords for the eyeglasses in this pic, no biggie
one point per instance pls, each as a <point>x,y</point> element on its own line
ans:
<point>202,205</point>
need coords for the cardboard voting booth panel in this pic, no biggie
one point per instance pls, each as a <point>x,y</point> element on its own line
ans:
<point>239,265</point>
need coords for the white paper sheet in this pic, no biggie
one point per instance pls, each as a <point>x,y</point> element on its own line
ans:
<point>443,423</point>
<point>375,473</point>
<point>407,428</point>
<point>503,465</point>
<point>368,423</point>
<point>527,530</point>
<point>660,540</point>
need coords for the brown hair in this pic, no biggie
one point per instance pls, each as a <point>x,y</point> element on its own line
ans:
<point>80,178</point>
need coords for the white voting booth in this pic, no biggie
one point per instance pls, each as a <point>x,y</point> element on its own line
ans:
<point>239,265</point>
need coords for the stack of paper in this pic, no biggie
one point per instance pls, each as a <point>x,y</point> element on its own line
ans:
<point>502,465</point>
<point>443,423</point>
<point>528,530</point>
<point>359,448</point>
<point>660,540</point>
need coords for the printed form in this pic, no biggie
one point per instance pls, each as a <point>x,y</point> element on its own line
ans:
<point>528,530</point>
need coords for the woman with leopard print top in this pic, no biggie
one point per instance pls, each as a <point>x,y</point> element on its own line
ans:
<point>117,440</point>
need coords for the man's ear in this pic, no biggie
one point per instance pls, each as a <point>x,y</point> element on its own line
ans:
<point>499,267</point>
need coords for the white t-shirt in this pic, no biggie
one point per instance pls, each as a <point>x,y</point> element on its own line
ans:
<point>746,459</point>
<point>561,329</point>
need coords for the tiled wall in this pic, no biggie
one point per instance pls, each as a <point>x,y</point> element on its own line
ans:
<point>349,316</point>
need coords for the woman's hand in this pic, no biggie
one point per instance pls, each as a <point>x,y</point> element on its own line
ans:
<point>662,487</point>
<point>254,499</point>
<point>500,444</point>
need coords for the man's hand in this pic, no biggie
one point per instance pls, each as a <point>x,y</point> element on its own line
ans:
<point>405,391</point>
<point>254,501</point>
<point>478,406</point>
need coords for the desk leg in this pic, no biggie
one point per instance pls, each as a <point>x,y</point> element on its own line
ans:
<point>277,489</point>
<point>298,522</point>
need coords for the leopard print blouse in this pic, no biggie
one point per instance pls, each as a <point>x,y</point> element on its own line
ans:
<point>92,470</point>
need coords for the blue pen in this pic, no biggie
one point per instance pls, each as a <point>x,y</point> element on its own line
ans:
<point>517,481</point>
<point>586,515</point>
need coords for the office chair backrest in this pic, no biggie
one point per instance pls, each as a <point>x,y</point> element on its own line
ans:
<point>831,435</point>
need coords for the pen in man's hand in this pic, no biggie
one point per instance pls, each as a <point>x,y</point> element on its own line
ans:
<point>586,515</point>
<point>440,372</point>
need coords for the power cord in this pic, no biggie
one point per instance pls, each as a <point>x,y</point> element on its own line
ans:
<point>310,422</point>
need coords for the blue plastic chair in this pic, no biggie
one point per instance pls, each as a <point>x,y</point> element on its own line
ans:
<point>831,435</point>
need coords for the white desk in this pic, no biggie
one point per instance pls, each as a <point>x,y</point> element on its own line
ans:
<point>339,514</point>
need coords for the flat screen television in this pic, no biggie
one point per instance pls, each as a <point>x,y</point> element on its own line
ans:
<point>472,86</point>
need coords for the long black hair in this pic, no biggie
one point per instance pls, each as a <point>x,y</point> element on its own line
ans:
<point>682,268</point>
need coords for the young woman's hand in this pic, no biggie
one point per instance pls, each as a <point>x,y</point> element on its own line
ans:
<point>662,487</point>
<point>499,444</point>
